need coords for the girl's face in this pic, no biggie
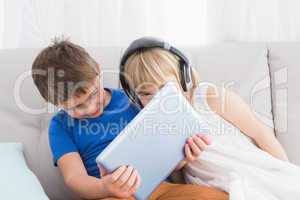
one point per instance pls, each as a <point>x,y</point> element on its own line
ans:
<point>146,93</point>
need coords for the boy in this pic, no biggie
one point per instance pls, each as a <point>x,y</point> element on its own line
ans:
<point>90,118</point>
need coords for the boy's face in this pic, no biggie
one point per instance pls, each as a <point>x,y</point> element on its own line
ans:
<point>89,105</point>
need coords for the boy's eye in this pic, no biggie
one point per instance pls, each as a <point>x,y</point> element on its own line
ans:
<point>82,106</point>
<point>94,93</point>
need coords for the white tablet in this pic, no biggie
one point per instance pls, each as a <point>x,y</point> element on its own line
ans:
<point>153,142</point>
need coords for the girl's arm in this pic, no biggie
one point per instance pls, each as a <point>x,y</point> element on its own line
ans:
<point>233,109</point>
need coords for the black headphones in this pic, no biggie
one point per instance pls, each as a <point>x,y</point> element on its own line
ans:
<point>147,43</point>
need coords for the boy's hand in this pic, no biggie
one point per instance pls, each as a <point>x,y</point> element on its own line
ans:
<point>122,183</point>
<point>195,145</point>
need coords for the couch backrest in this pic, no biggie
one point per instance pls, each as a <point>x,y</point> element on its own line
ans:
<point>284,62</point>
<point>243,67</point>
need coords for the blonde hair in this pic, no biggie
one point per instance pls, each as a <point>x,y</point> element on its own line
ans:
<point>155,66</point>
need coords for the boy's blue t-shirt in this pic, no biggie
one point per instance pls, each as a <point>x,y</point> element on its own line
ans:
<point>90,136</point>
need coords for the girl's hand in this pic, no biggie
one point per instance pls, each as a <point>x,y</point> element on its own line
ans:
<point>195,145</point>
<point>193,148</point>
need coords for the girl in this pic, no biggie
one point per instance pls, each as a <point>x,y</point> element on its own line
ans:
<point>244,153</point>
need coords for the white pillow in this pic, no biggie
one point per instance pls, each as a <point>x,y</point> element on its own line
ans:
<point>16,179</point>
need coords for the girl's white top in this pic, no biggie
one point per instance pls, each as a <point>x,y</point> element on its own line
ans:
<point>233,162</point>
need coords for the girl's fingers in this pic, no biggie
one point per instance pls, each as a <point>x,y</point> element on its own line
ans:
<point>194,147</point>
<point>188,153</point>
<point>200,143</point>
<point>205,138</point>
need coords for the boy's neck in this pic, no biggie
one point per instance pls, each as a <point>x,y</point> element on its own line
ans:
<point>107,98</point>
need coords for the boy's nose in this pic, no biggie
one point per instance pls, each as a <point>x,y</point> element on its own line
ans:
<point>93,109</point>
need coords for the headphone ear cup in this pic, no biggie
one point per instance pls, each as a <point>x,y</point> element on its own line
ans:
<point>136,100</point>
<point>186,77</point>
<point>189,77</point>
<point>140,103</point>
<point>182,78</point>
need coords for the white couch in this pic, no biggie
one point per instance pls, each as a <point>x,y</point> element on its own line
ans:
<point>265,75</point>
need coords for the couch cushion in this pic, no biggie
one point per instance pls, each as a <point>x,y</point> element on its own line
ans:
<point>241,67</point>
<point>108,59</point>
<point>284,64</point>
<point>18,126</point>
<point>15,174</point>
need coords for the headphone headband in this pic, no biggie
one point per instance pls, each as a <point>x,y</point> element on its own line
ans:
<point>147,43</point>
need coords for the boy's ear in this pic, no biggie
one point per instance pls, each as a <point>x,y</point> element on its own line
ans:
<point>98,68</point>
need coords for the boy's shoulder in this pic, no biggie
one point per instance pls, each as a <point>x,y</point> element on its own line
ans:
<point>60,116</point>
<point>120,105</point>
<point>62,119</point>
<point>116,92</point>
<point>118,97</point>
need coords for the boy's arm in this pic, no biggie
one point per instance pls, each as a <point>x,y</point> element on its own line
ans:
<point>122,183</point>
<point>76,178</point>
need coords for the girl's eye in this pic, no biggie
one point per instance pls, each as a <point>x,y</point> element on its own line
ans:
<point>144,94</point>
<point>80,106</point>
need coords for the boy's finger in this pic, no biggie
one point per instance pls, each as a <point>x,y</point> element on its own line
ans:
<point>125,176</point>
<point>102,170</point>
<point>136,185</point>
<point>116,174</point>
<point>130,182</point>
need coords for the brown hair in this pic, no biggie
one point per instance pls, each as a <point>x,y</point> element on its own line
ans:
<point>62,70</point>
